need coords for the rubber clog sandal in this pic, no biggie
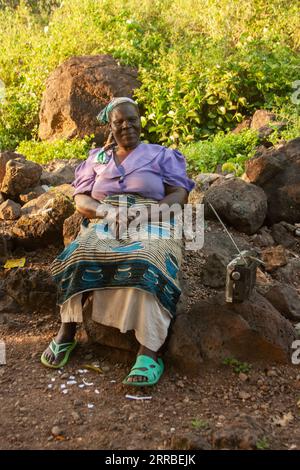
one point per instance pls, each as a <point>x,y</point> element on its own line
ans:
<point>57,349</point>
<point>153,372</point>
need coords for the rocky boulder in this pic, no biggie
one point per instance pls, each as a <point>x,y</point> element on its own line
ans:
<point>274,257</point>
<point>71,227</point>
<point>44,226</point>
<point>277,172</point>
<point>105,335</point>
<point>20,175</point>
<point>242,205</point>
<point>10,210</point>
<point>283,234</point>
<point>45,201</point>
<point>76,92</point>
<point>32,289</point>
<point>4,158</point>
<point>286,300</point>
<point>265,122</point>
<point>217,252</point>
<point>59,172</point>
<point>32,193</point>
<point>214,330</point>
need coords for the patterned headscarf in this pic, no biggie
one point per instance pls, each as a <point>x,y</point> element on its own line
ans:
<point>103,116</point>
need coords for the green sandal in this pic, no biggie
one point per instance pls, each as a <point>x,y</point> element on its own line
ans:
<point>57,349</point>
<point>153,372</point>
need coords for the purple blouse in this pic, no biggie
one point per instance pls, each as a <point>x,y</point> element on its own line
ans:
<point>144,171</point>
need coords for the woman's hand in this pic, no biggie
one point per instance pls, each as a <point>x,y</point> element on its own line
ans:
<point>87,206</point>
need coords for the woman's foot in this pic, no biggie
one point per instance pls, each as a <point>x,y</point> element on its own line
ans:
<point>66,334</point>
<point>140,377</point>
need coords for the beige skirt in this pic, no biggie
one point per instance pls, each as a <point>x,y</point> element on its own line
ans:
<point>125,308</point>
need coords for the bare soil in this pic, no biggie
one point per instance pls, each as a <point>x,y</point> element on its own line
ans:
<point>219,408</point>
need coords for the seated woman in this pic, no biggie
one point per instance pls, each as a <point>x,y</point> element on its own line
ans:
<point>133,283</point>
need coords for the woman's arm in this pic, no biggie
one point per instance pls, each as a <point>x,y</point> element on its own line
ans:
<point>175,195</point>
<point>87,206</point>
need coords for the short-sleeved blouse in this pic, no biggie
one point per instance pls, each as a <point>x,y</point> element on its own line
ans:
<point>144,171</point>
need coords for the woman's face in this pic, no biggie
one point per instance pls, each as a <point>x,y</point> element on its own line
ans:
<point>126,125</point>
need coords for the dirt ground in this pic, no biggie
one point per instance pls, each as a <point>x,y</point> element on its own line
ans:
<point>255,407</point>
<point>218,408</point>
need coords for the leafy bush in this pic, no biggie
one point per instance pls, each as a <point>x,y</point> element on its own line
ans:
<point>223,149</point>
<point>201,71</point>
<point>237,365</point>
<point>44,152</point>
<point>199,100</point>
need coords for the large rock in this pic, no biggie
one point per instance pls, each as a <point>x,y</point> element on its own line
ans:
<point>32,289</point>
<point>263,121</point>
<point>72,227</point>
<point>45,201</point>
<point>6,245</point>
<point>45,226</point>
<point>20,175</point>
<point>4,158</point>
<point>10,210</point>
<point>242,205</point>
<point>286,300</point>
<point>107,336</point>
<point>274,257</point>
<point>290,273</point>
<point>77,91</point>
<point>277,172</point>
<point>263,238</point>
<point>59,172</point>
<point>217,252</point>
<point>283,234</point>
<point>32,193</point>
<point>214,330</point>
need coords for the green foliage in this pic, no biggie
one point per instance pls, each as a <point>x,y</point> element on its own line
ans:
<point>262,444</point>
<point>237,366</point>
<point>229,150</point>
<point>44,152</point>
<point>200,424</point>
<point>211,89</point>
<point>203,65</point>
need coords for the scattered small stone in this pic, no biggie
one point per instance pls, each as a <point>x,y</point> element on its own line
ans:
<point>77,402</point>
<point>57,431</point>
<point>76,416</point>
<point>271,373</point>
<point>105,368</point>
<point>180,384</point>
<point>244,395</point>
<point>243,377</point>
